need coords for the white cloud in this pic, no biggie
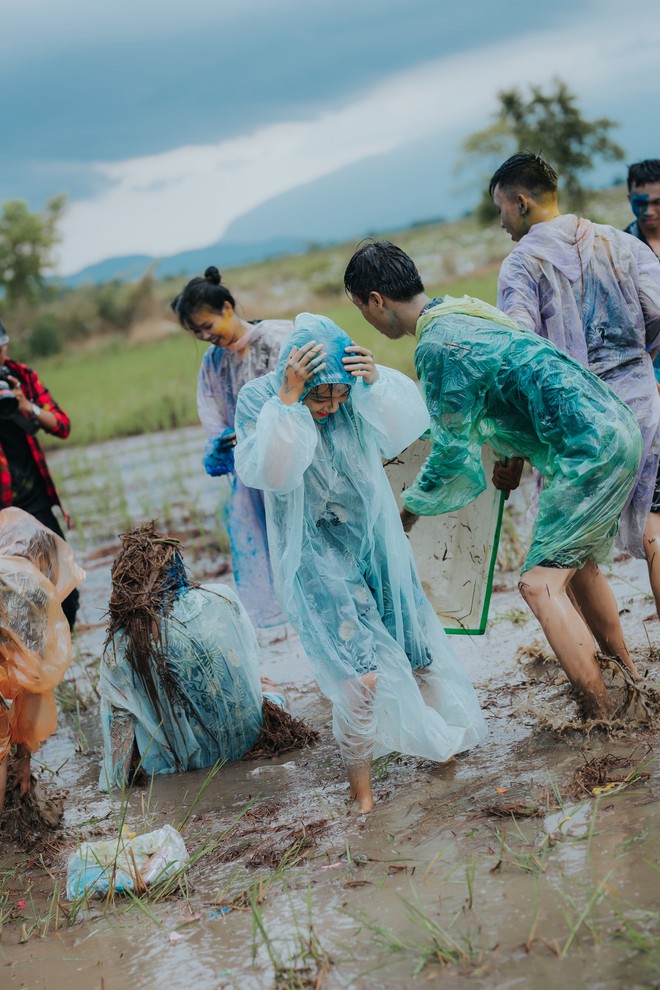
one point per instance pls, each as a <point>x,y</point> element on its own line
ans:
<point>185,198</point>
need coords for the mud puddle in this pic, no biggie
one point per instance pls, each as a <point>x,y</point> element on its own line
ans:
<point>530,862</point>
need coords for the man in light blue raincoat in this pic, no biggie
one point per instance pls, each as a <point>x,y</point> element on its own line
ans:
<point>488,380</point>
<point>312,436</point>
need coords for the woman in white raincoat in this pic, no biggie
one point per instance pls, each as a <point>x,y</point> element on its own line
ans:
<point>312,435</point>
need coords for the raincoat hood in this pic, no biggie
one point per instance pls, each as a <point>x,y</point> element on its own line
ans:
<point>309,327</point>
<point>567,243</point>
<point>465,306</point>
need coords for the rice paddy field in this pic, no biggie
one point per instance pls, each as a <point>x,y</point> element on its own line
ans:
<point>530,862</point>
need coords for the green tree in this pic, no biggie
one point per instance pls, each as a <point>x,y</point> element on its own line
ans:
<point>26,245</point>
<point>549,124</point>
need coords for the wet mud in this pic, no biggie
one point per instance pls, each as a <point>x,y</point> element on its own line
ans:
<point>529,862</point>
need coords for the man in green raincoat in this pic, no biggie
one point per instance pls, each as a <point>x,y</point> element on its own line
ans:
<point>488,380</point>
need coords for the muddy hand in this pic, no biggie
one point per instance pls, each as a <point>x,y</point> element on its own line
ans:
<point>301,365</point>
<point>360,363</point>
<point>506,477</point>
<point>408,520</point>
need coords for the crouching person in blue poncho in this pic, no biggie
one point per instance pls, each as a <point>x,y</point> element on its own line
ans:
<point>312,435</point>
<point>180,687</point>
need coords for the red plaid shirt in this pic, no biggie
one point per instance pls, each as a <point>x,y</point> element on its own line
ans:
<point>35,391</point>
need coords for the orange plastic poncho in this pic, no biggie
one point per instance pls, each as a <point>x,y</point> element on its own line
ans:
<point>37,571</point>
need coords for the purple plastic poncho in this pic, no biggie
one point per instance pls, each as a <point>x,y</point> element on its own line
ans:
<point>594,291</point>
<point>223,373</point>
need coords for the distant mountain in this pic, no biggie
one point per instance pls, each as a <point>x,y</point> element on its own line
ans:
<point>223,254</point>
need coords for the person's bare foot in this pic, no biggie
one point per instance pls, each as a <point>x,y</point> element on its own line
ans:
<point>361,796</point>
<point>361,805</point>
<point>596,706</point>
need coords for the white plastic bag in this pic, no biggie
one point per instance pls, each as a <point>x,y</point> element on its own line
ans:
<point>125,863</point>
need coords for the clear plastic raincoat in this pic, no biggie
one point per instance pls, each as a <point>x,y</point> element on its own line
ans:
<point>223,373</point>
<point>487,380</point>
<point>342,565</point>
<point>213,659</point>
<point>594,291</point>
<point>37,572</point>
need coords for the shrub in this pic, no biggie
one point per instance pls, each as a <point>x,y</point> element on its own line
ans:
<point>45,337</point>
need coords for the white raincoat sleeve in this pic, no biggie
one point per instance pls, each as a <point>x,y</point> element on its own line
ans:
<point>394,408</point>
<point>517,293</point>
<point>276,443</point>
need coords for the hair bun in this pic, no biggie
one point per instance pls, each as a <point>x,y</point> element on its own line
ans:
<point>212,275</point>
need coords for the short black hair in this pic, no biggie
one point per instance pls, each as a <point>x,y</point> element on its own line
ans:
<point>526,170</point>
<point>642,172</point>
<point>380,266</point>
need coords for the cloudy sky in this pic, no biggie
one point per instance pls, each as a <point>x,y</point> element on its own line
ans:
<point>171,124</point>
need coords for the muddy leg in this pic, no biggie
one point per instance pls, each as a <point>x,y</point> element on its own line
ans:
<point>3,781</point>
<point>22,770</point>
<point>359,779</point>
<point>652,551</point>
<point>357,741</point>
<point>600,611</point>
<point>544,590</point>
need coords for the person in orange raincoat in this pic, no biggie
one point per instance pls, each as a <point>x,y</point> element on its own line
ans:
<point>37,572</point>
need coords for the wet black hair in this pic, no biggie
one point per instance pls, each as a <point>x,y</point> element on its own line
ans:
<point>527,171</point>
<point>206,291</point>
<point>380,266</point>
<point>642,172</point>
<point>345,390</point>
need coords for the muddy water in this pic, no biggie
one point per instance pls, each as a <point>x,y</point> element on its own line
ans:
<point>483,873</point>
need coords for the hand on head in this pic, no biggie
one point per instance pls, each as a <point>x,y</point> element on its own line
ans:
<point>301,365</point>
<point>360,363</point>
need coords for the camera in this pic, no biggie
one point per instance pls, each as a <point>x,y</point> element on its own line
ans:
<point>8,401</point>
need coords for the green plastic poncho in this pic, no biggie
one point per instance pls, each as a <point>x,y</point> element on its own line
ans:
<point>488,380</point>
<point>342,566</point>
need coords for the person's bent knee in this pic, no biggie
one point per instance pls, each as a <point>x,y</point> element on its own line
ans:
<point>544,582</point>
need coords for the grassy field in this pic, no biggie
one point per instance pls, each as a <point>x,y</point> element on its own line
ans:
<point>121,388</point>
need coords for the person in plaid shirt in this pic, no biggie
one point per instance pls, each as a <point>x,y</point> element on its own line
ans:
<point>25,480</point>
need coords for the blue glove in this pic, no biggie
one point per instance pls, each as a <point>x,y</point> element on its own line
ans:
<point>219,454</point>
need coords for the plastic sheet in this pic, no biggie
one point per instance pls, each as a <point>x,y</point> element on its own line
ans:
<point>455,553</point>
<point>125,863</point>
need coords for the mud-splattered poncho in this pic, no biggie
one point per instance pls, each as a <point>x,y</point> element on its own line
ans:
<point>37,572</point>
<point>215,713</point>
<point>342,565</point>
<point>488,380</point>
<point>223,373</point>
<point>594,291</point>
